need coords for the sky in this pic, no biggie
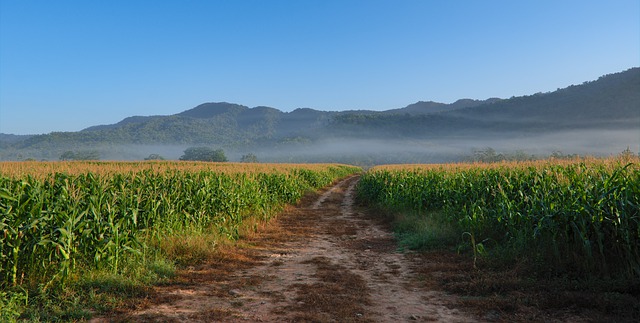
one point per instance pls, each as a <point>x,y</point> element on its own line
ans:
<point>67,65</point>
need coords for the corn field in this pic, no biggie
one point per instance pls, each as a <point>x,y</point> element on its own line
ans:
<point>60,216</point>
<point>581,216</point>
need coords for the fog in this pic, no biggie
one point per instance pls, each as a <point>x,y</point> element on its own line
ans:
<point>381,151</point>
<point>440,150</point>
<point>374,151</point>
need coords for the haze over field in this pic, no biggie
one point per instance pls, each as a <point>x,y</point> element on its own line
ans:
<point>503,70</point>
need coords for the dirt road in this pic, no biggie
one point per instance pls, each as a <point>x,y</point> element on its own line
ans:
<point>322,261</point>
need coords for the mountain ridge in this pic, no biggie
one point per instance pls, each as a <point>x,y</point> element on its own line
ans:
<point>212,109</point>
<point>612,102</point>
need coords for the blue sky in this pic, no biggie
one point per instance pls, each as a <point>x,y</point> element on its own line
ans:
<point>68,65</point>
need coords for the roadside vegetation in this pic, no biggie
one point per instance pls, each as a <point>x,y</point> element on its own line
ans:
<point>79,238</point>
<point>572,222</point>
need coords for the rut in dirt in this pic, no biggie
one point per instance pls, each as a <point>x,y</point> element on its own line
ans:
<point>326,260</point>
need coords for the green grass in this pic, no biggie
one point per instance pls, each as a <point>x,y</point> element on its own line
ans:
<point>417,232</point>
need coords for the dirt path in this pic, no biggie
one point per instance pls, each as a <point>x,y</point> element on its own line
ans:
<point>323,261</point>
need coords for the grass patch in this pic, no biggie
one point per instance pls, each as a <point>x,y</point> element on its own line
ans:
<point>188,249</point>
<point>91,292</point>
<point>12,303</point>
<point>424,231</point>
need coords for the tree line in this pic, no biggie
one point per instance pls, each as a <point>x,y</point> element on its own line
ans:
<point>190,154</point>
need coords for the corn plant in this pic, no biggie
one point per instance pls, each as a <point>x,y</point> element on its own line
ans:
<point>53,223</point>
<point>582,216</point>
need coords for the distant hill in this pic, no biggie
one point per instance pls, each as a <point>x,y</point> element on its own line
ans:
<point>429,107</point>
<point>612,100</point>
<point>7,140</point>
<point>210,110</point>
<point>126,121</point>
<point>609,104</point>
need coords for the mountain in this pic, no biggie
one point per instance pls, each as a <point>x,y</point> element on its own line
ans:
<point>594,117</point>
<point>125,121</point>
<point>612,100</point>
<point>7,140</point>
<point>610,103</point>
<point>429,107</point>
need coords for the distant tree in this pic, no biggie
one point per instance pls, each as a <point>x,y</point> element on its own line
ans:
<point>87,155</point>
<point>249,158</point>
<point>154,157</point>
<point>521,155</point>
<point>81,155</point>
<point>68,155</point>
<point>204,154</point>
<point>557,154</point>
<point>487,155</point>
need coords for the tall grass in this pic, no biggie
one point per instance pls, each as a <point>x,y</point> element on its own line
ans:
<point>581,216</point>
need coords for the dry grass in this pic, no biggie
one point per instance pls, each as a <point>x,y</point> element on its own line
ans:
<point>189,249</point>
